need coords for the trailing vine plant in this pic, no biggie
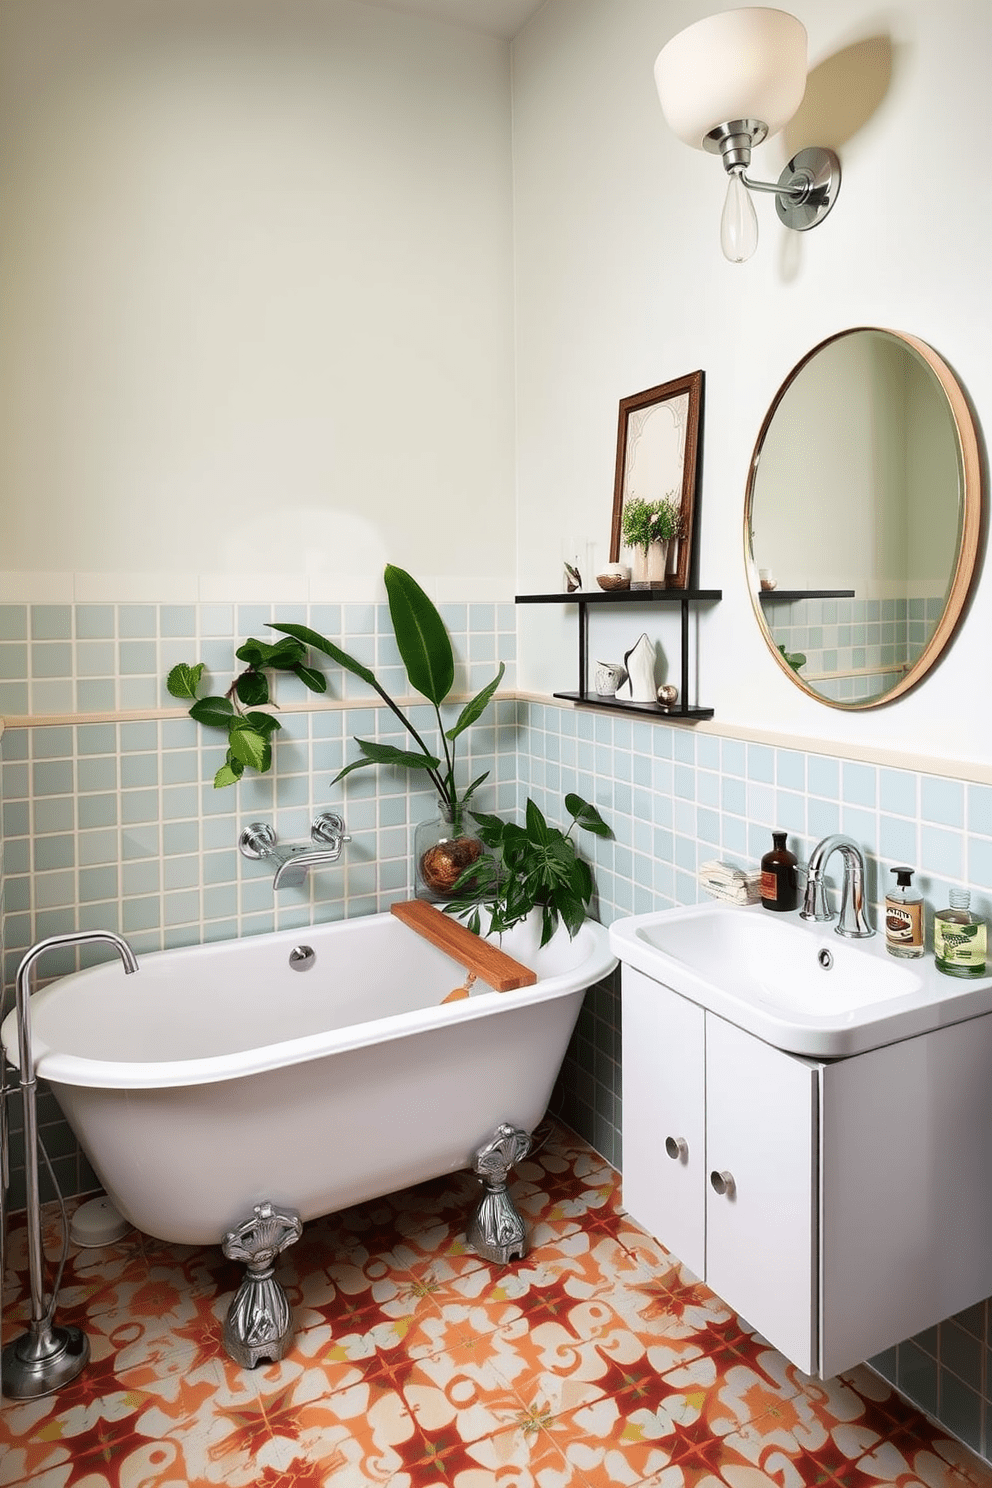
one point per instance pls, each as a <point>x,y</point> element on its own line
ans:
<point>249,731</point>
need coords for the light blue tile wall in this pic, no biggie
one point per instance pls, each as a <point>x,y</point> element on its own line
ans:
<point>701,797</point>
<point>116,824</point>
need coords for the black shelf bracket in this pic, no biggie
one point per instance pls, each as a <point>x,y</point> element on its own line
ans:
<point>583,599</point>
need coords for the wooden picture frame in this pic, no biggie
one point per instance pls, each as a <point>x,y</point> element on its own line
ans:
<point>658,450</point>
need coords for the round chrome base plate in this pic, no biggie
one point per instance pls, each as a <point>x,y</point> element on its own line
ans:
<point>26,1378</point>
<point>818,172</point>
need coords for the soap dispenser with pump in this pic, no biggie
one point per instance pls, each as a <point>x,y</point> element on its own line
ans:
<point>904,917</point>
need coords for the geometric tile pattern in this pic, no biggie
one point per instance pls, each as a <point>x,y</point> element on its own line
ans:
<point>597,1360</point>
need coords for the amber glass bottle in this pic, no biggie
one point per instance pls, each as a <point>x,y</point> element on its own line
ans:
<point>779,883</point>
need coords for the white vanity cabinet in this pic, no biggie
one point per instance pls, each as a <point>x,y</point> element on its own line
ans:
<point>839,1206</point>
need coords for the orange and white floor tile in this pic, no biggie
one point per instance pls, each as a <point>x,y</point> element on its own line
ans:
<point>595,1361</point>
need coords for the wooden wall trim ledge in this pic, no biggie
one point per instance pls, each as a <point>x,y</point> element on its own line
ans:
<point>896,759</point>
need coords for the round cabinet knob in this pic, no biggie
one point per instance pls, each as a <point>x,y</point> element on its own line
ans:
<point>677,1149</point>
<point>723,1183</point>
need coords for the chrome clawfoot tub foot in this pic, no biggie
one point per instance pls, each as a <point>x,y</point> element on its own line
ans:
<point>259,1323</point>
<point>496,1231</point>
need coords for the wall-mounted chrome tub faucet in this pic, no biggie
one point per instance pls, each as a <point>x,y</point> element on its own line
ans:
<point>293,861</point>
<point>853,921</point>
<point>45,1357</point>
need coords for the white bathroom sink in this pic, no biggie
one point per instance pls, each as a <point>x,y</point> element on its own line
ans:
<point>795,984</point>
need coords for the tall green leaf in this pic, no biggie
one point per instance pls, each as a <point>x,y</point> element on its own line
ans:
<point>536,824</point>
<point>321,643</point>
<point>387,754</point>
<point>586,815</point>
<point>477,706</point>
<point>421,638</point>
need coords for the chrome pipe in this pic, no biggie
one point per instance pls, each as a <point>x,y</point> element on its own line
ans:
<point>45,1357</point>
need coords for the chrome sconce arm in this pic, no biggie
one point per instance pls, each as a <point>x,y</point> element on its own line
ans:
<point>725,84</point>
<point>804,192</point>
<point>293,861</point>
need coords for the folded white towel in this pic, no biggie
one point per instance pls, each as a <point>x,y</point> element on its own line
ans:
<point>727,882</point>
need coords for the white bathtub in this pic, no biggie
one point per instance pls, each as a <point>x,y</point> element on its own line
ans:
<point>219,1077</point>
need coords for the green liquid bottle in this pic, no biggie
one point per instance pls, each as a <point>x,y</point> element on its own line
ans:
<point>959,938</point>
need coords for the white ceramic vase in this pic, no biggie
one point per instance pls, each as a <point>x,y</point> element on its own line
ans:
<point>640,686</point>
<point>647,569</point>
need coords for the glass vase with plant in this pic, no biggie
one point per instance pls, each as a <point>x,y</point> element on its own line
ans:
<point>647,527</point>
<point>426,652</point>
<point>535,867</point>
<point>445,848</point>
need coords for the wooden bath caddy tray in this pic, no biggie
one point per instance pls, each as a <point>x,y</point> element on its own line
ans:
<point>495,967</point>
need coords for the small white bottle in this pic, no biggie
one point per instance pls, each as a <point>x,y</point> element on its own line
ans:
<point>904,917</point>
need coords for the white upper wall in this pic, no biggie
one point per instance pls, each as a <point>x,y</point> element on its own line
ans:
<point>256,308</point>
<point>621,285</point>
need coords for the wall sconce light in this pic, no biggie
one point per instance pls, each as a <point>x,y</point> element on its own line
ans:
<point>725,84</point>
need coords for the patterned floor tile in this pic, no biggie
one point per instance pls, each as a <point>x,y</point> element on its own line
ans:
<point>597,1360</point>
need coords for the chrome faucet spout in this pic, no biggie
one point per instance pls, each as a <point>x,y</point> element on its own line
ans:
<point>291,862</point>
<point>853,920</point>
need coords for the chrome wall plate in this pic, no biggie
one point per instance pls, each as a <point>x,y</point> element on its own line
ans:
<point>807,188</point>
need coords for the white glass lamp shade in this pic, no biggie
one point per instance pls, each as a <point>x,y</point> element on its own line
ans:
<point>741,64</point>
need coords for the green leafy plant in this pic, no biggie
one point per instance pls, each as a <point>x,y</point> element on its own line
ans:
<point>530,867</point>
<point>425,649</point>
<point>644,522</point>
<point>794,659</point>
<point>249,732</point>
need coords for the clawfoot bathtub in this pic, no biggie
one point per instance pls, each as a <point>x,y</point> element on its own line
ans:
<point>249,1072</point>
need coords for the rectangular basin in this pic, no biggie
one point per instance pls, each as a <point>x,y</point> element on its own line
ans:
<point>795,983</point>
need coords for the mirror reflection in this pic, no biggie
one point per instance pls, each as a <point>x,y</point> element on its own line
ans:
<point>861,516</point>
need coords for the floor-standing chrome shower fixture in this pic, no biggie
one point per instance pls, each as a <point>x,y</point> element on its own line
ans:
<point>46,1357</point>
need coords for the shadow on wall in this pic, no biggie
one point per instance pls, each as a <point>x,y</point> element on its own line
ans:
<point>842,93</point>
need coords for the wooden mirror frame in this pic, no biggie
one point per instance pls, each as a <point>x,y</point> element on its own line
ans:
<point>970,519</point>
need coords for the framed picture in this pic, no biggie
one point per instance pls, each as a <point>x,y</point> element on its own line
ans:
<point>658,443</point>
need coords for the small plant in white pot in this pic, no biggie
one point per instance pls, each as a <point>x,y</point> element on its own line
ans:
<point>647,528</point>
<point>535,869</point>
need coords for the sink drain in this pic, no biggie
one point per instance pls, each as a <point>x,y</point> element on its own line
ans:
<point>825,958</point>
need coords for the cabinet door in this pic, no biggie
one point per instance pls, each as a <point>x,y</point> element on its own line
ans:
<point>907,1188</point>
<point>761,1231</point>
<point>663,1103</point>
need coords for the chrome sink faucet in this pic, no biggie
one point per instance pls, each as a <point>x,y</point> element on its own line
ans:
<point>853,921</point>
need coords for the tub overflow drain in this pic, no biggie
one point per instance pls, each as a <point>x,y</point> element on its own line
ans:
<point>826,959</point>
<point>301,958</point>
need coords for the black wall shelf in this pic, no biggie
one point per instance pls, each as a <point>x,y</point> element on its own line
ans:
<point>683,598</point>
<point>787,596</point>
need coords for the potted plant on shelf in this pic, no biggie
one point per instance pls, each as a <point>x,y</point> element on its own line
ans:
<point>647,528</point>
<point>532,869</point>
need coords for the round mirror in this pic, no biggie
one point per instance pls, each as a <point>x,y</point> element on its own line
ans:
<point>862,516</point>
